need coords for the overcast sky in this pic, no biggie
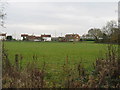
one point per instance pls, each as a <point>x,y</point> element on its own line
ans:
<point>60,17</point>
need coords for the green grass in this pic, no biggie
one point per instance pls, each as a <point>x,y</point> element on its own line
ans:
<point>55,53</point>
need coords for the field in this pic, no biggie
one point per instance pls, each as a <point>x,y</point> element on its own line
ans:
<point>55,54</point>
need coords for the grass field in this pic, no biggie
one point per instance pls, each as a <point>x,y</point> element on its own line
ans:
<point>55,53</point>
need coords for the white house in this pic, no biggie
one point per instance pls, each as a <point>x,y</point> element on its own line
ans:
<point>2,36</point>
<point>46,37</point>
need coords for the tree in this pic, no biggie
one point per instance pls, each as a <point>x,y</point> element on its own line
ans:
<point>111,31</point>
<point>96,33</point>
<point>9,38</point>
<point>108,29</point>
<point>115,35</point>
<point>2,13</point>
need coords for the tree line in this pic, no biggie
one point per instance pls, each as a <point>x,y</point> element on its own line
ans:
<point>108,34</point>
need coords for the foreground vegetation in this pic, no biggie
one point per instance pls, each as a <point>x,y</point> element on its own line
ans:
<point>20,73</point>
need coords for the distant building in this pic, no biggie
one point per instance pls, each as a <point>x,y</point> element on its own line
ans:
<point>61,39</point>
<point>33,38</point>
<point>46,37</point>
<point>54,39</point>
<point>3,36</point>
<point>27,37</point>
<point>30,38</point>
<point>87,37</point>
<point>58,39</point>
<point>38,39</point>
<point>72,37</point>
<point>24,36</point>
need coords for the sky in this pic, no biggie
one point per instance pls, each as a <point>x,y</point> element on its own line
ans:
<point>57,18</point>
<point>62,0</point>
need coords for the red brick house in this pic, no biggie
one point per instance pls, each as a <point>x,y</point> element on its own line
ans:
<point>30,37</point>
<point>72,37</point>
<point>61,39</point>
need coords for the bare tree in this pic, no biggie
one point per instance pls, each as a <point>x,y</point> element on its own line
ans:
<point>109,28</point>
<point>111,31</point>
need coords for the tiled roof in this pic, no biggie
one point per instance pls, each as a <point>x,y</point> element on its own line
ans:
<point>24,35</point>
<point>45,35</point>
<point>2,34</point>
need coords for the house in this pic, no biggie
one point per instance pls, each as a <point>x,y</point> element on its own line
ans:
<point>54,39</point>
<point>24,36</point>
<point>72,37</point>
<point>58,39</point>
<point>46,37</point>
<point>87,37</point>
<point>31,37</point>
<point>34,38</point>
<point>61,39</point>
<point>2,36</point>
<point>37,39</point>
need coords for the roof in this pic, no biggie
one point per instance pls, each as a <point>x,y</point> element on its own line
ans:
<point>61,37</point>
<point>37,37</point>
<point>72,35</point>
<point>24,35</point>
<point>31,37</point>
<point>45,35</point>
<point>3,34</point>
